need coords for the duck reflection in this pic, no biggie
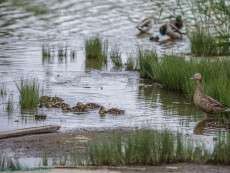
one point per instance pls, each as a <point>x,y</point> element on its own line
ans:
<point>209,124</point>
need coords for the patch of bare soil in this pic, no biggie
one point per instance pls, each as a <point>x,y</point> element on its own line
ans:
<point>53,144</point>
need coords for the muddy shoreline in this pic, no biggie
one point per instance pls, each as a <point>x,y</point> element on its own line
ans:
<point>57,145</point>
<point>178,168</point>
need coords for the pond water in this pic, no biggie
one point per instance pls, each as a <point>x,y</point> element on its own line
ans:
<point>67,23</point>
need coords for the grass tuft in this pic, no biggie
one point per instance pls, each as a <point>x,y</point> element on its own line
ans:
<point>203,43</point>
<point>115,56</point>
<point>10,105</point>
<point>96,52</point>
<point>146,147</point>
<point>174,74</point>
<point>3,91</point>
<point>9,164</point>
<point>29,94</point>
<point>130,64</point>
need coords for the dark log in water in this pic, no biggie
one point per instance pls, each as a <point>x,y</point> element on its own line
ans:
<point>29,131</point>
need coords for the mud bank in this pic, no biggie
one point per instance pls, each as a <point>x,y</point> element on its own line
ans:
<point>179,168</point>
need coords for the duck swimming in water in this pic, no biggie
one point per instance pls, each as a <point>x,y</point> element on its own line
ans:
<point>205,103</point>
<point>145,25</point>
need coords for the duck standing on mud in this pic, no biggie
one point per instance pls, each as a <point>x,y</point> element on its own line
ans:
<point>204,102</point>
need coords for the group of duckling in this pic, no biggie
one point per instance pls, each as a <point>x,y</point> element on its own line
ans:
<point>57,102</point>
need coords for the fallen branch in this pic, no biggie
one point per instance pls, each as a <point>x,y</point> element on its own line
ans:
<point>29,131</point>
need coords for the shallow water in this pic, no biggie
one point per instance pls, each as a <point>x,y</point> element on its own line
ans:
<point>67,23</point>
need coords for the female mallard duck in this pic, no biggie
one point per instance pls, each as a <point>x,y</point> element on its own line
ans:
<point>205,103</point>
<point>145,25</point>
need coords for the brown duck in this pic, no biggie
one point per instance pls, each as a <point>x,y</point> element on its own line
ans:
<point>204,102</point>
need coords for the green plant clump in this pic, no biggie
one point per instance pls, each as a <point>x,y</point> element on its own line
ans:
<point>174,74</point>
<point>146,147</point>
<point>203,43</point>
<point>115,56</point>
<point>96,52</point>
<point>29,94</point>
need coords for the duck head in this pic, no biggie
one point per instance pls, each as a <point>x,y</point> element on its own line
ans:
<point>197,77</point>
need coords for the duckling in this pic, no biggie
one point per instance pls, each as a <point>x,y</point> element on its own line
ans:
<point>145,25</point>
<point>115,111</point>
<point>80,107</point>
<point>40,117</point>
<point>92,105</point>
<point>204,102</point>
<point>102,111</point>
<point>65,107</point>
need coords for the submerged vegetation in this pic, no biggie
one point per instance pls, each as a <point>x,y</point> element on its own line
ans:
<point>145,147</point>
<point>61,53</point>
<point>174,73</point>
<point>29,94</point>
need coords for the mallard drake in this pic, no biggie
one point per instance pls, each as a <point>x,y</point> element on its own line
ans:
<point>204,102</point>
<point>145,25</point>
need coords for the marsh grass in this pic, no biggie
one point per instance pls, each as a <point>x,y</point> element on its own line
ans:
<point>46,54</point>
<point>130,64</point>
<point>96,52</point>
<point>146,147</point>
<point>9,164</point>
<point>146,62</point>
<point>29,94</point>
<point>115,56</point>
<point>29,6</point>
<point>174,74</point>
<point>221,151</point>
<point>203,43</point>
<point>62,54</point>
<point>10,105</point>
<point>3,91</point>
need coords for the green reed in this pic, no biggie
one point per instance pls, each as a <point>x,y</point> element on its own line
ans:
<point>174,74</point>
<point>95,48</point>
<point>10,105</point>
<point>29,6</point>
<point>115,56</point>
<point>8,163</point>
<point>3,91</point>
<point>203,43</point>
<point>149,147</point>
<point>221,151</point>
<point>96,52</point>
<point>130,64</point>
<point>29,94</point>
